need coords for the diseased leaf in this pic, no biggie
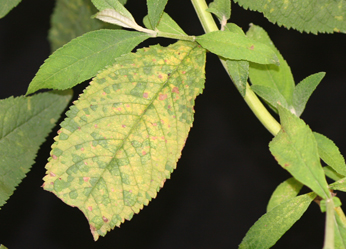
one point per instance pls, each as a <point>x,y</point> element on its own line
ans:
<point>272,225</point>
<point>295,149</point>
<point>7,5</point>
<point>323,16</point>
<point>155,10</point>
<point>332,174</point>
<point>303,91</point>
<point>272,76</point>
<point>284,192</point>
<point>237,47</point>
<point>221,8</point>
<point>330,153</point>
<point>25,123</point>
<point>166,24</point>
<point>123,137</point>
<point>83,57</point>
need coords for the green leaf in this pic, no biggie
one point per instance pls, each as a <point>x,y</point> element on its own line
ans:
<point>324,16</point>
<point>25,122</point>
<point>272,225</point>
<point>303,91</point>
<point>7,5</point>
<point>113,4</point>
<point>2,246</point>
<point>155,10</point>
<point>221,8</point>
<point>122,138</point>
<point>271,95</point>
<point>330,153</point>
<point>339,185</point>
<point>284,192</point>
<point>238,70</point>
<point>83,57</point>
<point>166,24</point>
<point>237,47</point>
<point>272,76</point>
<point>295,149</point>
<point>340,233</point>
<point>332,174</point>
<point>71,19</point>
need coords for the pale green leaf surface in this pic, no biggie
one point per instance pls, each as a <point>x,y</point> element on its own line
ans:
<point>332,174</point>
<point>339,185</point>
<point>25,122</point>
<point>83,57</point>
<point>270,95</point>
<point>2,246</point>
<point>71,19</point>
<point>166,24</point>
<point>340,233</point>
<point>123,137</point>
<point>272,225</point>
<point>303,91</point>
<point>325,16</point>
<point>295,149</point>
<point>6,6</point>
<point>284,192</point>
<point>238,70</point>
<point>330,153</point>
<point>237,47</point>
<point>113,4</point>
<point>221,8</point>
<point>273,76</point>
<point>155,10</point>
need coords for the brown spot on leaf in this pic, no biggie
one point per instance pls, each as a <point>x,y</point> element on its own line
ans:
<point>162,96</point>
<point>52,174</point>
<point>82,149</point>
<point>54,157</point>
<point>160,76</point>
<point>286,165</point>
<point>86,179</point>
<point>123,126</point>
<point>104,219</point>
<point>145,95</point>
<point>183,72</point>
<point>252,47</point>
<point>90,208</point>
<point>104,93</point>
<point>144,153</point>
<point>175,90</point>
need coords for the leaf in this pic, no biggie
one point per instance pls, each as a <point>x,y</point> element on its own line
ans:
<point>237,70</point>
<point>340,233</point>
<point>339,185</point>
<point>155,11</point>
<point>115,5</point>
<point>324,16</point>
<point>273,76</point>
<point>83,57</point>
<point>270,95</point>
<point>237,47</point>
<point>221,8</point>
<point>123,137</point>
<point>295,149</point>
<point>166,24</point>
<point>272,225</point>
<point>284,192</point>
<point>7,5</point>
<point>332,174</point>
<point>303,91</point>
<point>25,122</point>
<point>2,246</point>
<point>330,153</point>
<point>71,19</point>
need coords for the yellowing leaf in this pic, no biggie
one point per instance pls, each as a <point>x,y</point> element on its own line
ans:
<point>123,137</point>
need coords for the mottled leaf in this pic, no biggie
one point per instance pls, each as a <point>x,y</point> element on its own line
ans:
<point>122,138</point>
<point>330,153</point>
<point>303,91</point>
<point>284,192</point>
<point>272,76</point>
<point>332,174</point>
<point>155,10</point>
<point>295,149</point>
<point>6,6</point>
<point>166,24</point>
<point>83,57</point>
<point>324,16</point>
<point>237,47</point>
<point>25,123</point>
<point>272,225</point>
<point>221,8</point>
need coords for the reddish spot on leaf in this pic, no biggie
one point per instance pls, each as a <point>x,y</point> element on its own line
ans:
<point>162,96</point>
<point>145,95</point>
<point>286,165</point>
<point>52,174</point>
<point>252,47</point>
<point>175,90</point>
<point>119,108</point>
<point>183,72</point>
<point>95,125</point>
<point>104,93</point>
<point>86,179</point>
<point>154,124</point>
<point>144,153</point>
<point>154,59</point>
<point>82,149</point>
<point>160,76</point>
<point>104,219</point>
<point>90,208</point>
<point>59,131</point>
<point>169,107</point>
<point>54,157</point>
<point>123,126</point>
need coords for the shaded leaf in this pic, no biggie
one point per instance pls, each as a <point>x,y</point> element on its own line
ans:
<point>7,5</point>
<point>237,47</point>
<point>330,153</point>
<point>332,174</point>
<point>303,91</point>
<point>272,225</point>
<point>83,57</point>
<point>295,149</point>
<point>324,16</point>
<point>272,76</point>
<point>284,192</point>
<point>123,137</point>
<point>221,8</point>
<point>155,10</point>
<point>25,123</point>
<point>166,24</point>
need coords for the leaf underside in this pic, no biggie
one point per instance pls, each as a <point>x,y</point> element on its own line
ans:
<point>25,122</point>
<point>122,138</point>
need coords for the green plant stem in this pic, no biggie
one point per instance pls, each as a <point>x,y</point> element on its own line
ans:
<point>330,223</point>
<point>250,97</point>
<point>175,36</point>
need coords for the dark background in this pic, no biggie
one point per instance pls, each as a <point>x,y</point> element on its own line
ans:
<point>226,174</point>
